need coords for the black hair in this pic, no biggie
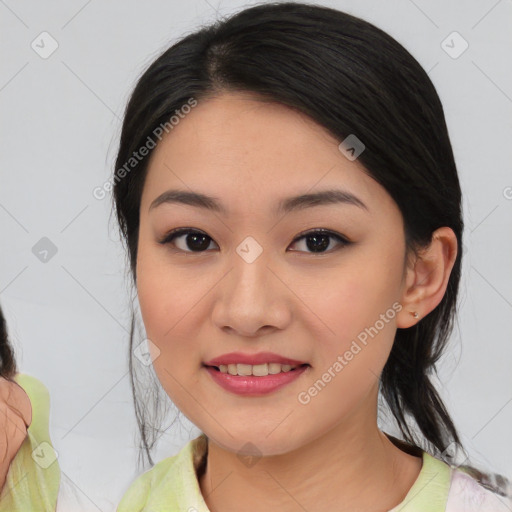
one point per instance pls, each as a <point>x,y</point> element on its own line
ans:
<point>352,78</point>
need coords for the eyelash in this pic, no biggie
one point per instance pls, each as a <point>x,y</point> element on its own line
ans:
<point>171,235</point>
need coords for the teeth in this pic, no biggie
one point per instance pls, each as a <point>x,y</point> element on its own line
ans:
<point>274,368</point>
<point>242,369</point>
<point>257,370</point>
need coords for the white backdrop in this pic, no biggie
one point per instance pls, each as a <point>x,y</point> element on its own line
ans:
<point>60,122</point>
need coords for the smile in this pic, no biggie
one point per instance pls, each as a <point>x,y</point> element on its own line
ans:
<point>255,380</point>
<point>258,370</point>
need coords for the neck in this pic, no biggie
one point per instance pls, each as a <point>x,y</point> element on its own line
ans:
<point>354,466</point>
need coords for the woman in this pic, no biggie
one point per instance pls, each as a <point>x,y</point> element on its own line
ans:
<point>287,192</point>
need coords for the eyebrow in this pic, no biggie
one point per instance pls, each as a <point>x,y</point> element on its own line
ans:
<point>289,204</point>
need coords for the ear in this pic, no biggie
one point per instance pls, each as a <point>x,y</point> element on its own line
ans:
<point>427,277</point>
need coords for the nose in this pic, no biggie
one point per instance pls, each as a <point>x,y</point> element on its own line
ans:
<point>252,299</point>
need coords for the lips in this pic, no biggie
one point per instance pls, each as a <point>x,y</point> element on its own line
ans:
<point>252,359</point>
<point>253,386</point>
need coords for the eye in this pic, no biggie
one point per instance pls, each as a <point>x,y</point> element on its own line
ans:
<point>194,240</point>
<point>197,241</point>
<point>318,240</point>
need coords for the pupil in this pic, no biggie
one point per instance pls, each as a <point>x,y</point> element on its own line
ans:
<point>317,246</point>
<point>197,246</point>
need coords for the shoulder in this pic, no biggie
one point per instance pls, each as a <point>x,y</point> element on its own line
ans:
<point>152,478</point>
<point>171,483</point>
<point>470,495</point>
<point>29,381</point>
<point>36,391</point>
<point>34,388</point>
<point>39,397</point>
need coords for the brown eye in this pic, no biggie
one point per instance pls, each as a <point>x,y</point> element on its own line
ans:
<point>193,240</point>
<point>317,241</point>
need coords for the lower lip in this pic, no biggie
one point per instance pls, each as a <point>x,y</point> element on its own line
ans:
<point>254,386</point>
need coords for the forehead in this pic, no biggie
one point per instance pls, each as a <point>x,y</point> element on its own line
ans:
<point>238,125</point>
<point>244,150</point>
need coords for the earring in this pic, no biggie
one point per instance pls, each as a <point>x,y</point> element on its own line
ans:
<point>414,314</point>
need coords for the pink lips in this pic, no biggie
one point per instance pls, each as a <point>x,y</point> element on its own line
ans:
<point>249,385</point>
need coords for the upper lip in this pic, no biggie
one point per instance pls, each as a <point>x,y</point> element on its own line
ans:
<point>252,359</point>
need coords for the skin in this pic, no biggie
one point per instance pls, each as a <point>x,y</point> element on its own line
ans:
<point>308,306</point>
<point>15,418</point>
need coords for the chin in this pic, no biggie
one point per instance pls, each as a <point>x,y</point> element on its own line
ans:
<point>255,443</point>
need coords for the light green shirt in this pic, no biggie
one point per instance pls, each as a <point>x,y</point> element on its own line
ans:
<point>172,485</point>
<point>33,479</point>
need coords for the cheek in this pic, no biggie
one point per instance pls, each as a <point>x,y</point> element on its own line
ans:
<point>358,307</point>
<point>354,340</point>
<point>170,303</point>
<point>165,294</point>
<point>164,313</point>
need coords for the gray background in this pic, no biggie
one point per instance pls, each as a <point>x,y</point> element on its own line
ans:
<point>60,122</point>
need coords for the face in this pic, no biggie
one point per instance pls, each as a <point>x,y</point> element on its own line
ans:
<point>252,278</point>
